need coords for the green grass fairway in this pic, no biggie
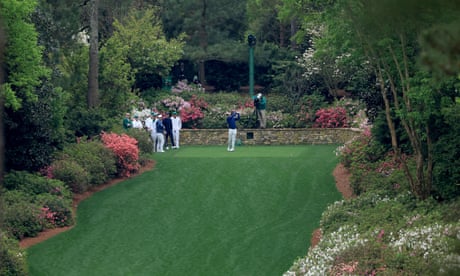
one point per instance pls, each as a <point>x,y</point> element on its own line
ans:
<point>201,211</point>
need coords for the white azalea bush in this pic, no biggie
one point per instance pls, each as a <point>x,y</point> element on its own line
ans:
<point>410,238</point>
<point>429,242</point>
<point>319,259</point>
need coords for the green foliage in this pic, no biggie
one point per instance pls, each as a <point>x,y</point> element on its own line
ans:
<point>137,47</point>
<point>125,150</point>
<point>447,156</point>
<point>72,174</point>
<point>310,104</point>
<point>73,76</point>
<point>374,232</point>
<point>35,131</point>
<point>90,122</point>
<point>21,215</point>
<point>264,19</point>
<point>12,258</point>
<point>117,76</point>
<point>34,203</point>
<point>288,79</point>
<point>283,103</point>
<point>34,184</point>
<point>282,111</point>
<point>358,151</point>
<point>93,157</point>
<point>24,67</point>
<point>144,141</point>
<point>56,211</point>
<point>374,167</point>
<point>226,76</point>
<point>375,257</point>
<point>225,23</point>
<point>217,118</point>
<point>438,48</point>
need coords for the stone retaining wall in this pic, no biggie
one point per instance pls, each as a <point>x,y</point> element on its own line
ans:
<point>273,136</point>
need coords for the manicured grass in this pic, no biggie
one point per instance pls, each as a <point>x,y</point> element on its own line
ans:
<point>201,211</point>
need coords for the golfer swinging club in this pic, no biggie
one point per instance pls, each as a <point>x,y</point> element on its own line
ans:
<point>231,121</point>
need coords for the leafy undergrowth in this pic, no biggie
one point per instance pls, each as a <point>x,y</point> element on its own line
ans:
<point>385,229</point>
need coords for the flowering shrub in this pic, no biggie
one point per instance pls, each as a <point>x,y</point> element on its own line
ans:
<point>275,119</point>
<point>182,86</point>
<point>192,114</point>
<point>33,203</point>
<point>319,259</point>
<point>47,215</point>
<point>171,103</point>
<point>21,217</point>
<point>126,151</point>
<point>55,211</point>
<point>390,164</point>
<point>357,151</point>
<point>430,241</point>
<point>372,240</point>
<point>352,108</point>
<point>93,157</point>
<point>71,173</point>
<point>332,117</point>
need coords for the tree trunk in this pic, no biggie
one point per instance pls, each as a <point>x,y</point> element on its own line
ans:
<point>293,32</point>
<point>203,43</point>
<point>93,72</point>
<point>2,107</point>
<point>282,34</point>
<point>422,151</point>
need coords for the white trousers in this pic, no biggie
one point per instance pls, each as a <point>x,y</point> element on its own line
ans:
<point>160,142</point>
<point>153,135</point>
<point>176,133</point>
<point>231,139</point>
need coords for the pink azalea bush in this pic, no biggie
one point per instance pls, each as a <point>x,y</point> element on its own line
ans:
<point>47,216</point>
<point>126,151</point>
<point>193,113</point>
<point>184,86</point>
<point>332,117</point>
<point>173,103</point>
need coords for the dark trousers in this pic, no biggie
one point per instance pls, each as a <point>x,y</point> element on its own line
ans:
<point>170,136</point>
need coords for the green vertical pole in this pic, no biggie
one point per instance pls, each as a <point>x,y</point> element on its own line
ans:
<point>251,43</point>
<point>251,71</point>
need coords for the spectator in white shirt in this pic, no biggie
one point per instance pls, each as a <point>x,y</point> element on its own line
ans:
<point>137,123</point>
<point>176,127</point>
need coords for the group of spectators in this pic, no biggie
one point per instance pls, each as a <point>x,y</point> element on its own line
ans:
<point>163,130</point>
<point>167,129</point>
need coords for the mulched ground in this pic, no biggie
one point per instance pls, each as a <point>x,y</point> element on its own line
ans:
<point>340,173</point>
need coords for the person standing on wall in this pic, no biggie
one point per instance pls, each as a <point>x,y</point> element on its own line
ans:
<point>176,127</point>
<point>260,103</point>
<point>167,122</point>
<point>231,122</point>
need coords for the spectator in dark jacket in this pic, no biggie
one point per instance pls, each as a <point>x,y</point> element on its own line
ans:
<point>167,122</point>
<point>159,133</point>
